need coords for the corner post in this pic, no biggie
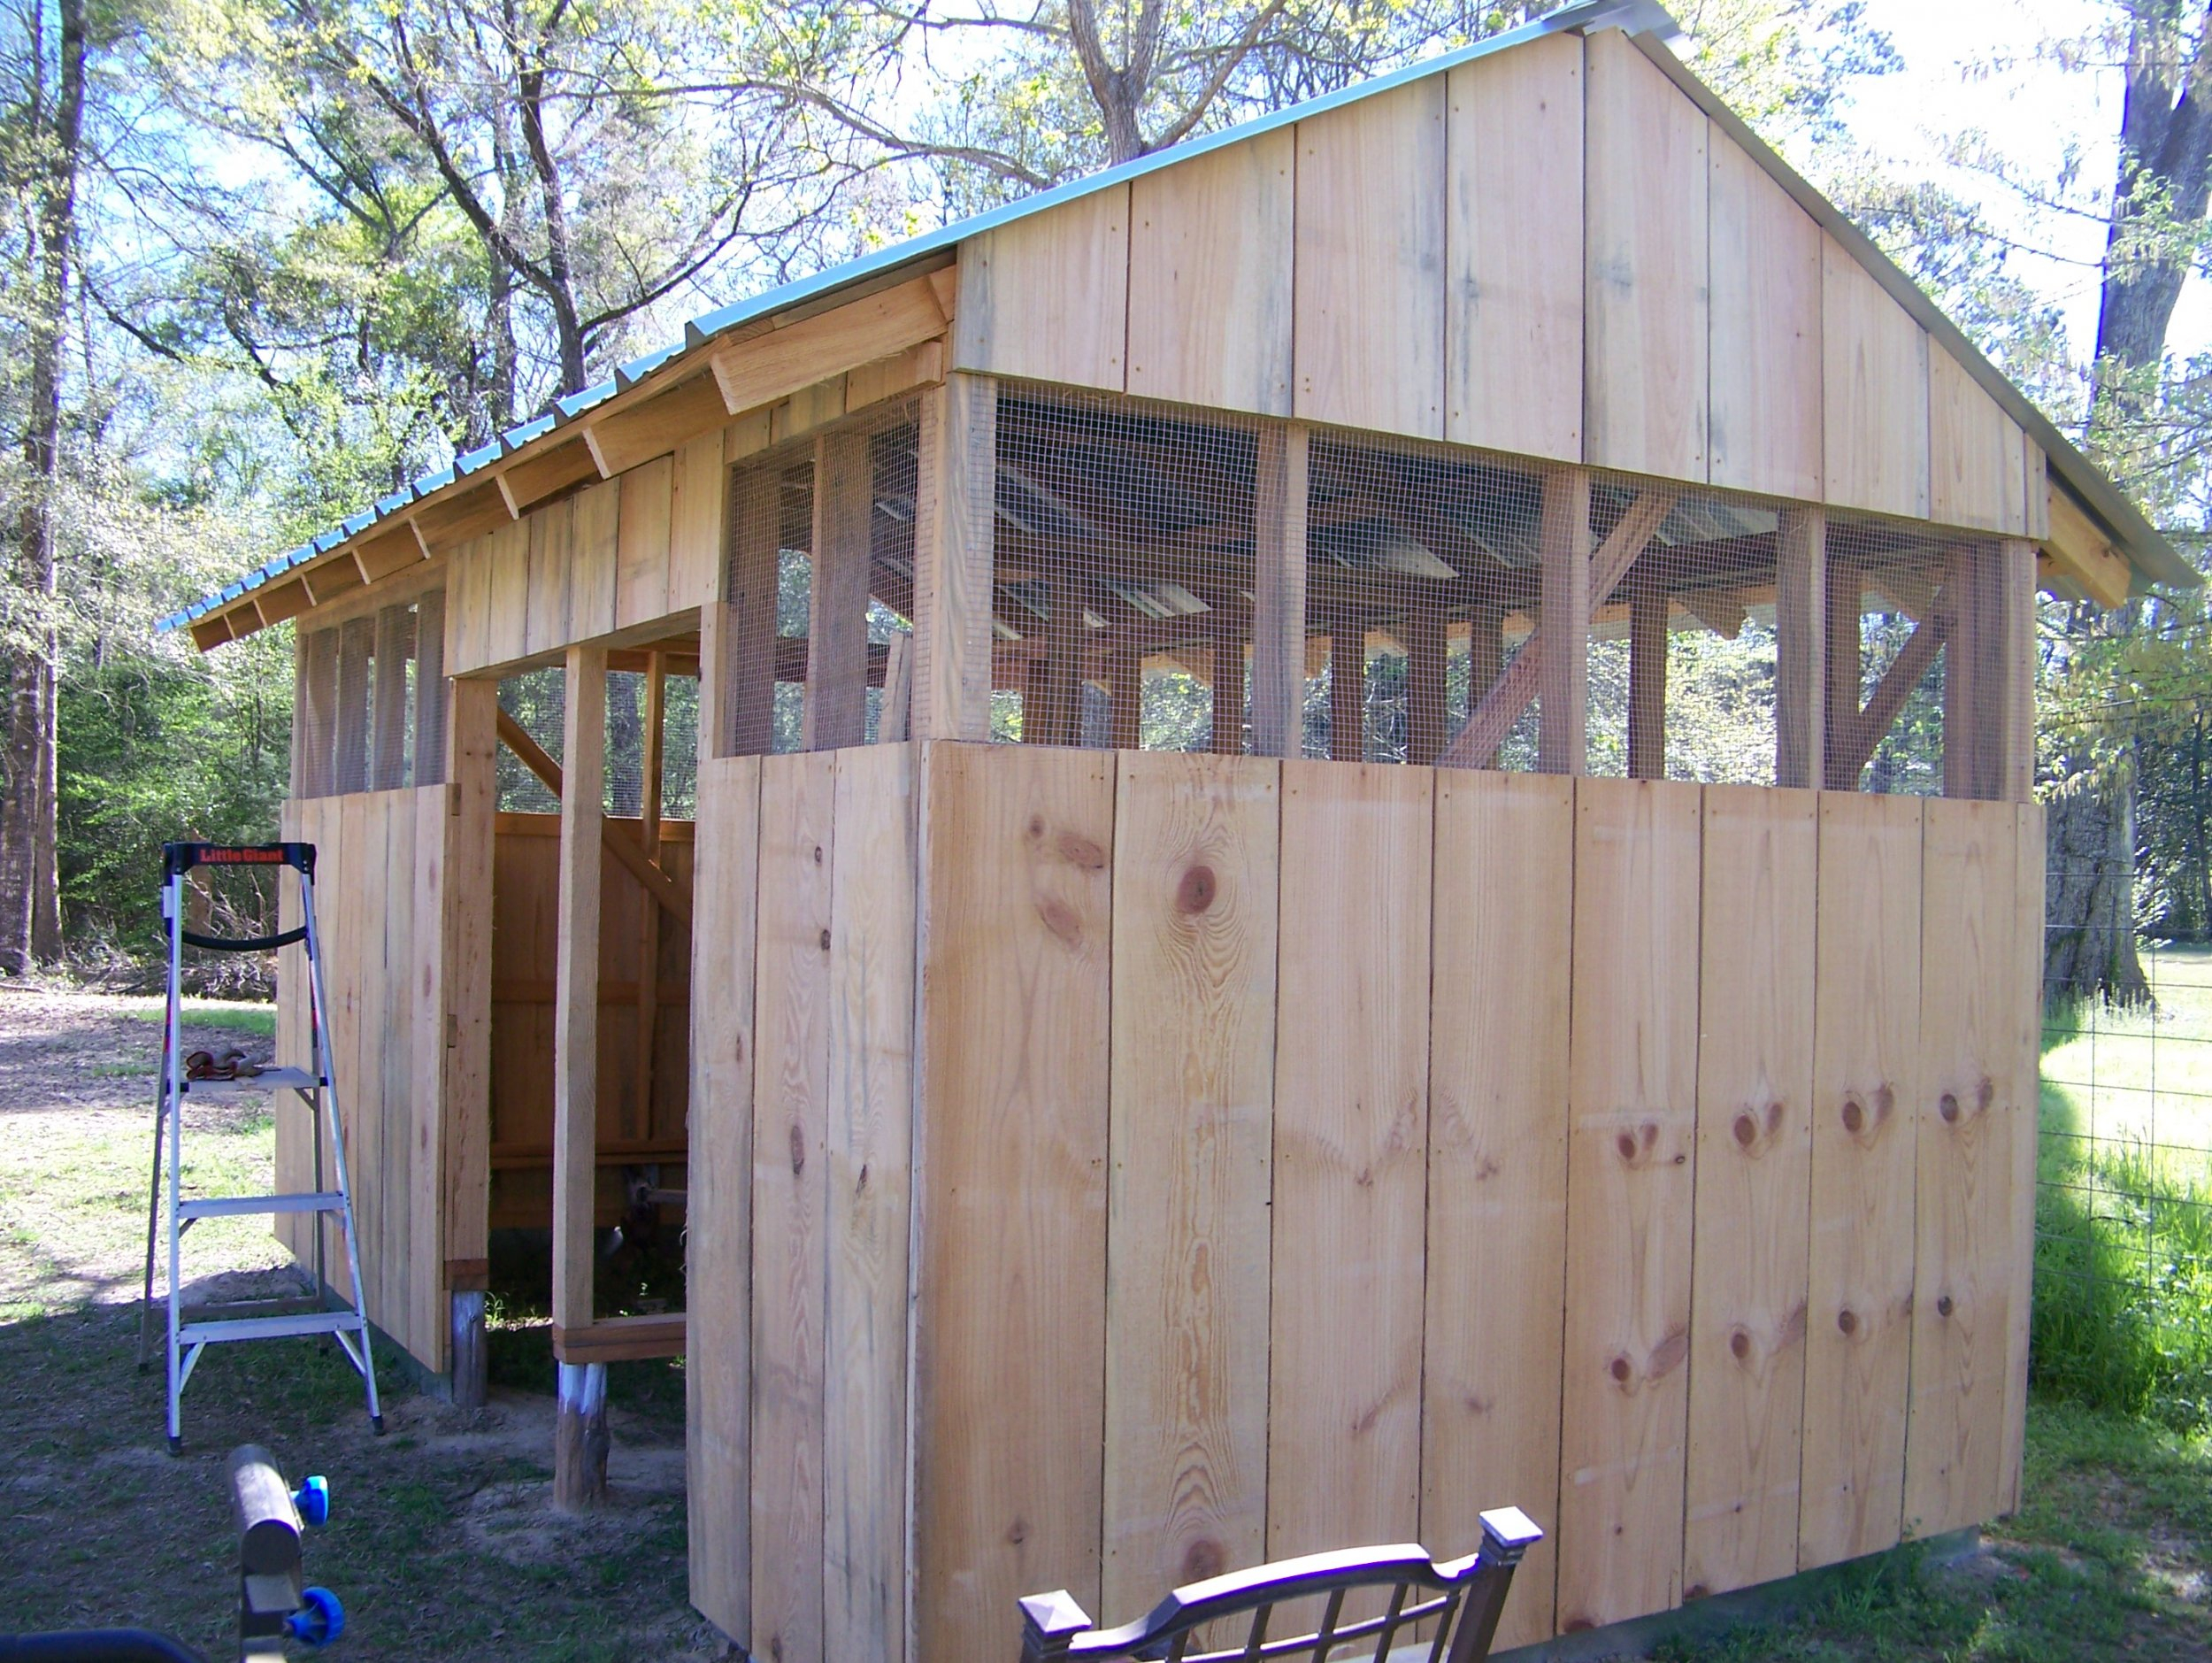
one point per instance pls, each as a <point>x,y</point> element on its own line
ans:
<point>1800,647</point>
<point>954,501</point>
<point>1562,687</point>
<point>1278,592</point>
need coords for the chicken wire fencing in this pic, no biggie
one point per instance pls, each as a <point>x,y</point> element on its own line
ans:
<point>537,700</point>
<point>1129,562</point>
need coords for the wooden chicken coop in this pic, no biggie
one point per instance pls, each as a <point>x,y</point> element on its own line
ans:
<point>1197,997</point>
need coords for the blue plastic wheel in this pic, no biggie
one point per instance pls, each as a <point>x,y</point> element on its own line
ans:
<point>320,1620</point>
<point>312,1498</point>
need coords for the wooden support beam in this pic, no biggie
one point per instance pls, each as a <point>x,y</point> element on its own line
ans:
<point>540,477</point>
<point>472,1359</point>
<point>329,579</point>
<point>954,514</point>
<point>1563,673</point>
<point>1063,664</point>
<point>1646,684</point>
<point>1906,672</point>
<point>380,553</point>
<point>457,519</point>
<point>387,747</point>
<point>621,1340</point>
<point>356,642</point>
<point>1279,593</point>
<point>1844,666</point>
<point>633,859</point>
<point>894,715</point>
<point>1348,691</point>
<point>1224,735</point>
<point>580,1436</point>
<point>576,988</point>
<point>273,602</point>
<point>639,1123</point>
<point>2083,554</point>
<point>317,775</point>
<point>836,707</point>
<point>1800,647</point>
<point>748,646</point>
<point>2017,602</point>
<point>1968,756</point>
<point>1425,711</point>
<point>1125,671</point>
<point>212,631</point>
<point>430,691</point>
<point>764,368</point>
<point>1494,716</point>
<point>657,427</point>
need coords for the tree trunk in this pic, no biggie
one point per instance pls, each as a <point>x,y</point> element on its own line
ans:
<point>2089,940</point>
<point>30,894</point>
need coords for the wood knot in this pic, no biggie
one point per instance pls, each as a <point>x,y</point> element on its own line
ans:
<point>1854,1116</point>
<point>1986,1093</point>
<point>1943,1305</point>
<point>817,854</point>
<point>1079,850</point>
<point>1847,1321</point>
<point>1885,1100</point>
<point>1037,826</point>
<point>1203,1558</point>
<point>1948,1107</point>
<point>1740,1345</point>
<point>798,1149</point>
<point>1637,1144</point>
<point>861,1186</point>
<point>826,941</point>
<point>1018,1532</point>
<point>1747,1130</point>
<point>1195,893</point>
<point>1621,1369</point>
<point>1062,920</point>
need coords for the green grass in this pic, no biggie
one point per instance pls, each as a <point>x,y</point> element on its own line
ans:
<point>231,1013</point>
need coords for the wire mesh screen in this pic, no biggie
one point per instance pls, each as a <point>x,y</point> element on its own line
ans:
<point>538,700</point>
<point>374,709</point>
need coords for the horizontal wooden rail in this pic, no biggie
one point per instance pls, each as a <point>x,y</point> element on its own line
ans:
<point>621,1340</point>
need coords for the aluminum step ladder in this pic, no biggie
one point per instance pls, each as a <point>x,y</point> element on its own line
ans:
<point>189,1333</point>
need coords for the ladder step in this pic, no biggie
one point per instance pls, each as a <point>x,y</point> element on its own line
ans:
<point>270,1327</point>
<point>267,1080</point>
<point>231,1207</point>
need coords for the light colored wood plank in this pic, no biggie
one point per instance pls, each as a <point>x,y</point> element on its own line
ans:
<point>1954,1432</point>
<point>1513,294</point>
<point>1866,1063</point>
<point>2037,488</point>
<point>1874,393</point>
<point>641,542</point>
<point>836,707</point>
<point>1801,648</point>
<point>1974,452</point>
<point>1351,1119</point>
<point>1010,1325</point>
<point>1631,1177</point>
<point>1047,297</point>
<point>718,1208</point>
<point>1765,332</point>
<point>552,566</point>
<point>318,716</point>
<point>1646,684</point>
<point>1210,291</point>
<point>527,483</point>
<point>591,581</point>
<point>746,641</point>
<point>357,639</point>
<point>432,694</point>
<point>954,508</point>
<point>791,1061</point>
<point>2031,861</point>
<point>1497,1218</point>
<point>508,588</point>
<point>1749,1276</point>
<point>1368,252</point>
<point>698,510</point>
<point>387,721</point>
<point>1644,351</point>
<point>644,433</point>
<point>1192,1086</point>
<point>1279,593</point>
<point>576,1015</point>
<point>870,1131</point>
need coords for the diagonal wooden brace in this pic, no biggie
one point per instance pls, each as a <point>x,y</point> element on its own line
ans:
<point>634,859</point>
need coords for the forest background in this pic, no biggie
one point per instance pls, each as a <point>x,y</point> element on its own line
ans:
<point>262,261</point>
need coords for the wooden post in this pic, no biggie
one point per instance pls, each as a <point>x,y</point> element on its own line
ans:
<point>388,767</point>
<point>430,689</point>
<point>470,1361</point>
<point>579,1436</point>
<point>1347,689</point>
<point>640,1123</point>
<point>1646,684</point>
<point>1061,667</point>
<point>1844,667</point>
<point>471,767</point>
<point>954,503</point>
<point>1563,688</point>
<point>836,710</point>
<point>892,716</point>
<point>576,987</point>
<point>1800,643</point>
<point>1279,593</point>
<point>356,638</point>
<point>745,647</point>
<point>318,766</point>
<point>2016,587</point>
<point>1967,733</point>
<point>1425,715</point>
<point>1225,732</point>
<point>1126,667</point>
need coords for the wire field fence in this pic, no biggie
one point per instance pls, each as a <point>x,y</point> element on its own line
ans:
<point>2124,1215</point>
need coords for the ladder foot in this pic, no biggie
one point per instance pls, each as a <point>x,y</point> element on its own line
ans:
<point>376,1424</point>
<point>176,1446</point>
